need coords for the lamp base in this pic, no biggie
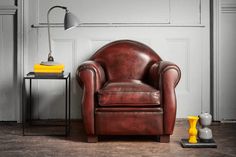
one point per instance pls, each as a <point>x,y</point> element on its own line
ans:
<point>49,63</point>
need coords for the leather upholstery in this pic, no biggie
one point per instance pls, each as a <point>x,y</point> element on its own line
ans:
<point>167,75</point>
<point>128,90</point>
<point>129,93</point>
<point>129,123</point>
<point>118,58</point>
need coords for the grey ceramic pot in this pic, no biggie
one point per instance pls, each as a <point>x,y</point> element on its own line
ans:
<point>205,120</point>
<point>205,133</point>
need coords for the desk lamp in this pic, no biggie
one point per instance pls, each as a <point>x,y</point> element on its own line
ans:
<point>70,21</point>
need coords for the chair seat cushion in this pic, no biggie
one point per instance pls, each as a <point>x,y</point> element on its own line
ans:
<point>130,93</point>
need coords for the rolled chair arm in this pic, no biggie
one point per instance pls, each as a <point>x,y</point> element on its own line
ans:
<point>90,75</point>
<point>96,68</point>
<point>165,76</point>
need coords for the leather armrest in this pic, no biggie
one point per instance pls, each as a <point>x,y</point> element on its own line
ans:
<point>157,70</point>
<point>97,70</point>
<point>90,75</point>
<point>165,76</point>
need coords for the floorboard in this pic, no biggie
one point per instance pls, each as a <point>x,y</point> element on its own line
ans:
<point>13,144</point>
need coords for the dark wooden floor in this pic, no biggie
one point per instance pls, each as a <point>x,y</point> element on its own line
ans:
<point>13,144</point>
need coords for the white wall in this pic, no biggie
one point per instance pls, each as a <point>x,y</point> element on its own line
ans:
<point>8,62</point>
<point>7,105</point>
<point>224,59</point>
<point>178,30</point>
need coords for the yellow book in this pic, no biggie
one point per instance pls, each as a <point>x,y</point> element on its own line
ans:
<point>48,69</point>
<point>39,66</point>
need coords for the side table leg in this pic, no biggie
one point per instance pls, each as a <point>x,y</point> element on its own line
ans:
<point>69,102</point>
<point>23,107</point>
<point>66,125</point>
<point>30,102</point>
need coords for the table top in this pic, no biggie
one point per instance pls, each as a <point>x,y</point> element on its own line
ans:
<point>32,75</point>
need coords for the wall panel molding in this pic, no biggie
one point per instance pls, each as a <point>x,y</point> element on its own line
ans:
<point>183,38</point>
<point>8,10</point>
<point>56,25</point>
<point>173,16</point>
<point>72,46</point>
<point>91,11</point>
<point>216,48</point>
<point>185,66</point>
<point>185,11</point>
<point>95,44</point>
<point>228,8</point>
<point>7,2</point>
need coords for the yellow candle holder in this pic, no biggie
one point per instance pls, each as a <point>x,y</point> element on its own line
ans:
<point>192,129</point>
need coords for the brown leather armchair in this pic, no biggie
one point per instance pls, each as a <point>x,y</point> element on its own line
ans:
<point>128,90</point>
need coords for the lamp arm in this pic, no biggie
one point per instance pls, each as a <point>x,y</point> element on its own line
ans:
<point>50,58</point>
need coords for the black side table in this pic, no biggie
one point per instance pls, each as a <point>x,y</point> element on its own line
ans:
<point>32,76</point>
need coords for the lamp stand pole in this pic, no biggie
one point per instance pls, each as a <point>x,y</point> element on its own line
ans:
<point>70,21</point>
<point>50,57</point>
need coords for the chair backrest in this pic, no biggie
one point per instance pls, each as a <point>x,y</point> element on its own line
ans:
<point>125,60</point>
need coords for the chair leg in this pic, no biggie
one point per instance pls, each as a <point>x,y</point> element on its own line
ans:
<point>92,139</point>
<point>164,138</point>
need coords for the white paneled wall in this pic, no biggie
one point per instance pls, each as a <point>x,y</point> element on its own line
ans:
<point>7,63</point>
<point>110,11</point>
<point>7,3</point>
<point>178,30</point>
<point>185,12</point>
<point>224,59</point>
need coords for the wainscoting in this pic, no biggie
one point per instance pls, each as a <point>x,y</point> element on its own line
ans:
<point>11,64</point>
<point>224,60</point>
<point>178,30</point>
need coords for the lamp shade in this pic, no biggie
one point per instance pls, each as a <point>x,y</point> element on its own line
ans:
<point>70,21</point>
